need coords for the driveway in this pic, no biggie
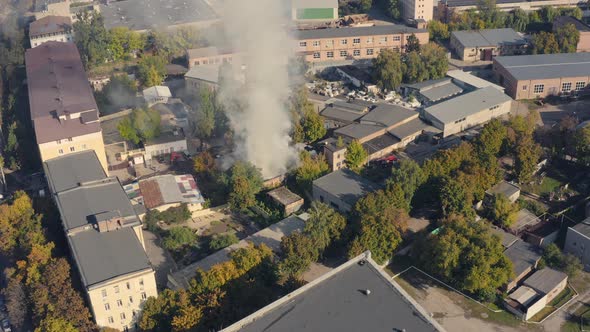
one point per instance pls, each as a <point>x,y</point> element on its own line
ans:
<point>160,258</point>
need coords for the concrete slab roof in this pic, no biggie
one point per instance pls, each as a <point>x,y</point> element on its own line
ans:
<point>472,80</point>
<point>357,296</point>
<point>207,73</point>
<point>523,256</point>
<point>505,188</point>
<point>546,66</point>
<point>467,104</point>
<point>489,37</point>
<point>410,128</point>
<point>346,185</point>
<point>545,280</point>
<point>387,115</point>
<point>67,172</point>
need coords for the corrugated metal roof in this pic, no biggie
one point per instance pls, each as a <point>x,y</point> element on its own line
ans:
<point>409,129</point>
<point>546,66</point>
<point>474,81</point>
<point>524,295</point>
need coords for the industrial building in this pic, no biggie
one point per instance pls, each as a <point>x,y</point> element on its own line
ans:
<point>542,75</point>
<point>342,189</point>
<point>105,238</point>
<point>483,45</point>
<point>50,28</point>
<point>340,44</point>
<point>63,110</point>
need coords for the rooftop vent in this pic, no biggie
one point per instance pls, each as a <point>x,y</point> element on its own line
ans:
<point>367,292</point>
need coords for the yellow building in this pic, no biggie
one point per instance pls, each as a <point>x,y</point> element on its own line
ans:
<point>63,109</point>
<point>105,239</point>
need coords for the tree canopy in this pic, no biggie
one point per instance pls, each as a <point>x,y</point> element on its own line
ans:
<point>356,156</point>
<point>310,168</point>
<point>91,38</point>
<point>387,69</point>
<point>245,182</point>
<point>141,125</point>
<point>151,70</point>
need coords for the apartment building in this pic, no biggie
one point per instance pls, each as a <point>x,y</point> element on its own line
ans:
<point>542,75</point>
<point>50,28</point>
<point>63,110</point>
<point>417,9</point>
<point>339,44</point>
<point>105,239</point>
<point>583,29</point>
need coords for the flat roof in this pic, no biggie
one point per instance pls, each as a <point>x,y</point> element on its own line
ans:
<point>65,174</point>
<point>334,112</point>
<point>583,227</point>
<point>58,86</point>
<point>204,52</point>
<point>169,189</point>
<point>472,80</point>
<point>358,130</point>
<point>387,115</point>
<point>284,196</point>
<point>50,24</point>
<point>410,128</point>
<point>506,238</point>
<point>523,256</point>
<point>546,66</point>
<point>524,295</point>
<point>356,32</point>
<point>379,143</point>
<point>489,37</point>
<point>505,188</point>
<point>467,104</point>
<point>314,3</point>
<point>147,14</point>
<point>545,280</point>
<point>207,73</point>
<point>338,301</point>
<point>442,91</point>
<point>524,219</point>
<point>346,185</point>
<point>270,236</point>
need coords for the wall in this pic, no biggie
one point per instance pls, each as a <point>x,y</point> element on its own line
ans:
<point>325,197</point>
<point>536,307</point>
<point>584,43</point>
<point>158,149</point>
<point>524,5</point>
<point>318,52</point>
<point>194,85</point>
<point>220,58</point>
<point>475,119</point>
<point>92,141</point>
<point>131,294</point>
<point>514,282</point>
<point>558,289</point>
<point>335,158</point>
<point>578,245</point>
<point>58,37</point>
<point>417,9</point>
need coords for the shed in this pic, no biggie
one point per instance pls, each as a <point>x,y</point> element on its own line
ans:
<point>288,200</point>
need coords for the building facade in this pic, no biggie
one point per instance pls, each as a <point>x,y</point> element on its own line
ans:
<point>447,7</point>
<point>577,242</point>
<point>542,75</point>
<point>63,109</point>
<point>418,9</point>
<point>340,44</point>
<point>208,56</point>
<point>50,28</point>
<point>483,45</point>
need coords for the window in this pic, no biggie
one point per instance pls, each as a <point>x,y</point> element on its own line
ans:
<point>356,41</point>
<point>69,139</point>
<point>143,296</point>
<point>321,198</point>
<point>116,289</point>
<point>494,107</point>
<point>58,141</point>
<point>119,303</point>
<point>356,52</point>
<point>60,151</point>
<point>343,41</point>
<point>329,43</point>
<point>72,149</point>
<point>343,53</point>
<point>316,55</point>
<point>334,205</point>
<point>566,87</point>
<point>130,299</point>
<point>460,120</point>
<point>316,43</point>
<point>122,315</point>
<point>369,51</point>
<point>111,320</point>
<point>141,283</point>
<point>369,40</point>
<point>107,307</point>
<point>580,85</point>
<point>104,293</point>
<point>383,40</point>
<point>128,285</point>
<point>538,88</point>
<point>302,44</point>
<point>397,38</point>
<point>524,87</point>
<point>330,54</point>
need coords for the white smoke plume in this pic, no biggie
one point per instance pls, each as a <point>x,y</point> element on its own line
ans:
<point>258,29</point>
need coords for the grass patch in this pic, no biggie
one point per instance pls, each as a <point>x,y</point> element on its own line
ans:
<point>578,321</point>
<point>548,185</point>
<point>542,314</point>
<point>581,282</point>
<point>562,297</point>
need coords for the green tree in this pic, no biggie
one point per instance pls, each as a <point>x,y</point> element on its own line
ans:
<point>308,124</point>
<point>324,225</point>
<point>548,14</point>
<point>92,38</point>
<point>310,168</point>
<point>178,238</point>
<point>356,156</point>
<point>298,251</point>
<point>222,241</point>
<point>455,198</point>
<point>313,125</point>
<point>438,31</point>
<point>205,123</point>
<point>414,68</point>
<point>245,182</point>
<point>119,93</point>
<point>393,8</point>
<point>567,37</point>
<point>467,255</point>
<point>141,125</point>
<point>581,144</point>
<point>554,258</point>
<point>204,162</point>
<point>503,212</point>
<point>52,324</point>
<point>123,42</point>
<point>545,43</point>
<point>408,174</point>
<point>527,156</point>
<point>490,141</point>
<point>412,44</point>
<point>387,69</point>
<point>519,20</point>
<point>435,58</point>
<point>127,131</point>
<point>151,70</point>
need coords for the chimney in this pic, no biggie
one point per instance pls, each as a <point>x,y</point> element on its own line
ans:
<point>109,221</point>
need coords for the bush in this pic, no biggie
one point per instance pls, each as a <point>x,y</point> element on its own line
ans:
<point>176,214</point>
<point>179,237</point>
<point>222,241</point>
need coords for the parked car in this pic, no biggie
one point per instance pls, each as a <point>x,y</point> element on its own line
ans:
<point>5,323</point>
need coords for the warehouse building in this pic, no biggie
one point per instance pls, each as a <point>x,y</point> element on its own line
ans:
<point>467,110</point>
<point>338,44</point>
<point>314,10</point>
<point>483,45</point>
<point>542,75</point>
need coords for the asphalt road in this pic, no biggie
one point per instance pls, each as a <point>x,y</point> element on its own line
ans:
<point>551,114</point>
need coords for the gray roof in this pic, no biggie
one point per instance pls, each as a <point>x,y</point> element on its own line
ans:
<point>387,115</point>
<point>506,238</point>
<point>546,66</point>
<point>102,256</point>
<point>489,37</point>
<point>523,256</point>
<point>99,256</point>
<point>583,228</point>
<point>167,137</point>
<point>358,130</point>
<point>338,302</point>
<point>429,84</point>
<point>69,171</point>
<point>356,32</point>
<point>270,236</point>
<point>50,24</point>
<point>146,14</point>
<point>342,114</point>
<point>207,73</point>
<point>560,21</point>
<point>284,196</point>
<point>505,188</point>
<point>524,219</point>
<point>470,79</point>
<point>314,3</point>
<point>379,143</point>
<point>346,185</point>
<point>545,280</point>
<point>409,128</point>
<point>441,92</point>
<point>467,104</point>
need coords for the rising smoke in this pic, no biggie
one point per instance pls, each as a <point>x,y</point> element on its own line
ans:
<point>261,123</point>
